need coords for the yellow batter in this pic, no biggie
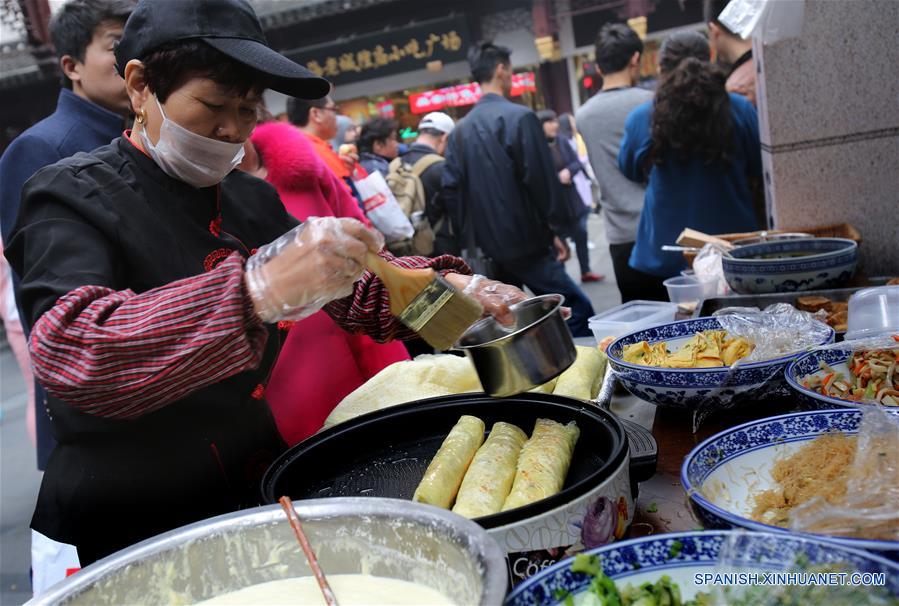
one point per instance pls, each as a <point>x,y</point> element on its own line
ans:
<point>351,590</point>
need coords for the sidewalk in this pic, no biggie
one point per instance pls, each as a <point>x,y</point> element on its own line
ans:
<point>19,483</point>
<point>603,295</point>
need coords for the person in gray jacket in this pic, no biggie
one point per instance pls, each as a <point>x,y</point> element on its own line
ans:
<point>601,123</point>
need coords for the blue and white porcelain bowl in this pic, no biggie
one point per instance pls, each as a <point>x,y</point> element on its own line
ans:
<point>689,388</point>
<point>685,554</point>
<point>790,265</point>
<point>810,364</point>
<point>724,473</point>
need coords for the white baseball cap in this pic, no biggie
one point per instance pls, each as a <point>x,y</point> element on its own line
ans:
<point>438,121</point>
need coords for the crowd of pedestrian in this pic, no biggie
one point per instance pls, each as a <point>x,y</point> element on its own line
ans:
<point>503,189</point>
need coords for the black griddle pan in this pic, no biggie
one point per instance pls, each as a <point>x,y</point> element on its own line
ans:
<point>386,453</point>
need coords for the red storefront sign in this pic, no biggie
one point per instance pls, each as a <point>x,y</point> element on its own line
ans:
<point>464,94</point>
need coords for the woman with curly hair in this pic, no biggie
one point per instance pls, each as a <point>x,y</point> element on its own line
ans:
<point>698,148</point>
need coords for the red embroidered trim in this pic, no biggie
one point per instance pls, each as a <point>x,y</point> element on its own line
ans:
<point>215,226</point>
<point>285,325</point>
<point>253,251</point>
<point>215,257</point>
<point>258,392</point>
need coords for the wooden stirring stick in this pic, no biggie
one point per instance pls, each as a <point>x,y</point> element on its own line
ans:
<point>327,592</point>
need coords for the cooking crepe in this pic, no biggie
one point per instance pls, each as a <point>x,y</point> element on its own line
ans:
<point>444,475</point>
<point>489,478</point>
<point>583,378</point>
<point>426,376</point>
<point>543,463</point>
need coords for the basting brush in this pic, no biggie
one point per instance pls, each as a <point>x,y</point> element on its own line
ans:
<point>425,302</point>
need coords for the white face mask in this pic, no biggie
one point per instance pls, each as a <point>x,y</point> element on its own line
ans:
<point>192,158</point>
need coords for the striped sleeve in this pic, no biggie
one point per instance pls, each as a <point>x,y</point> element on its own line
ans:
<point>120,355</point>
<point>367,310</point>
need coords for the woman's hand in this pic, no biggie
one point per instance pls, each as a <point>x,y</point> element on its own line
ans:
<point>565,176</point>
<point>496,297</point>
<point>311,265</point>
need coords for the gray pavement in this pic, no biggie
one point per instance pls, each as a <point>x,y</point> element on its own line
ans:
<point>19,483</point>
<point>603,294</point>
<point>20,480</point>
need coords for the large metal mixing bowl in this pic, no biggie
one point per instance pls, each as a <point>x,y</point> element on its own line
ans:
<point>382,537</point>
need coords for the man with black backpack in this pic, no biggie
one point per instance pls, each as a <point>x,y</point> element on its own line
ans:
<point>415,179</point>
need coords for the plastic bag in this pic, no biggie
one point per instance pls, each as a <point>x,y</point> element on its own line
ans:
<point>383,210</point>
<point>769,20</point>
<point>778,555</point>
<point>870,509</point>
<point>707,264</point>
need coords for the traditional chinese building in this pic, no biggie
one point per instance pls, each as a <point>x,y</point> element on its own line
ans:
<point>393,57</point>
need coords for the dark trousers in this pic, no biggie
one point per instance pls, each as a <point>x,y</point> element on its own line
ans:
<point>634,284</point>
<point>578,233</point>
<point>545,275</point>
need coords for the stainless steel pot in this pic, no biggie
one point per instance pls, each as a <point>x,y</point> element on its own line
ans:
<point>383,537</point>
<point>539,348</point>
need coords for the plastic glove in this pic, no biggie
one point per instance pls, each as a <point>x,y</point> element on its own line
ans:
<point>308,267</point>
<point>496,297</point>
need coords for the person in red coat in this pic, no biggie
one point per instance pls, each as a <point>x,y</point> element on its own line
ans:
<point>320,363</point>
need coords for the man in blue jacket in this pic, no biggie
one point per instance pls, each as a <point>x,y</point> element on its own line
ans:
<point>90,112</point>
<point>503,193</point>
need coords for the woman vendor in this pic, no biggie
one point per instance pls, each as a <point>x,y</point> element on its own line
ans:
<point>155,317</point>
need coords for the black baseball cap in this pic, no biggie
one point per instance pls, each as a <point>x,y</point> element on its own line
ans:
<point>229,26</point>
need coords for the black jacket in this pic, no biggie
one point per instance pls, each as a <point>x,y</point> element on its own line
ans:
<point>498,164</point>
<point>112,218</point>
<point>564,156</point>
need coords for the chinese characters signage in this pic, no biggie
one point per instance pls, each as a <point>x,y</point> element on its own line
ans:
<point>464,94</point>
<point>385,53</point>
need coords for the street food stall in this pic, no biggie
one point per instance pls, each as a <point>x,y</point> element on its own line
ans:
<point>628,464</point>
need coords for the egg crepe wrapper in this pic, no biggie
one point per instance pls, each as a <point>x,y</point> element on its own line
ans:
<point>543,463</point>
<point>582,379</point>
<point>427,376</point>
<point>491,473</point>
<point>777,331</point>
<point>447,469</point>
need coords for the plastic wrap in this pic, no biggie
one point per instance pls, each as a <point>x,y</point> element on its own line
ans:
<point>878,342</point>
<point>309,266</point>
<point>769,554</point>
<point>778,331</point>
<point>870,509</point>
<point>769,20</point>
<point>496,298</point>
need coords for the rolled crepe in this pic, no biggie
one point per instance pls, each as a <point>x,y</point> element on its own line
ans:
<point>489,478</point>
<point>584,377</point>
<point>546,387</point>
<point>444,475</point>
<point>543,463</point>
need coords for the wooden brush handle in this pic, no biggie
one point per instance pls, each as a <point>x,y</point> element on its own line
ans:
<point>402,284</point>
